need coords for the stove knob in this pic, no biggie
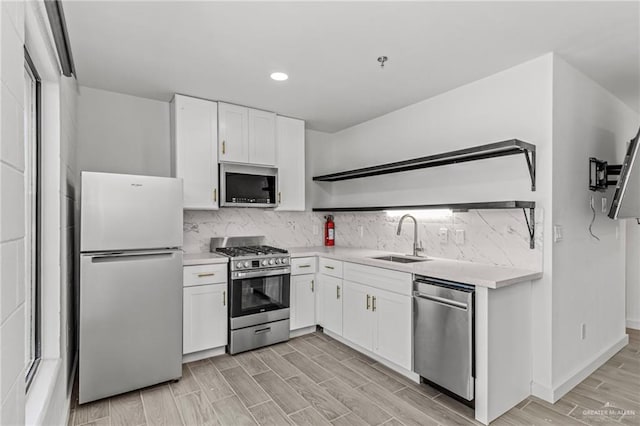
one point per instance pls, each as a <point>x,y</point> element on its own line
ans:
<point>264,262</point>
<point>270,261</point>
<point>277,261</point>
<point>246,264</point>
<point>239,265</point>
<point>284,260</point>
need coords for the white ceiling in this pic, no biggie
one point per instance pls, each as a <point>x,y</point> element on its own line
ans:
<point>226,50</point>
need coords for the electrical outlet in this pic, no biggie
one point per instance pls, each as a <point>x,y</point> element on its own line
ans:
<point>604,204</point>
<point>315,230</point>
<point>361,231</point>
<point>459,236</point>
<point>557,233</point>
<point>443,234</point>
<point>583,331</point>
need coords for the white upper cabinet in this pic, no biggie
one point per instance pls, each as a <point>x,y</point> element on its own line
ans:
<point>233,133</point>
<point>194,132</point>
<point>290,163</point>
<point>246,135</point>
<point>262,137</point>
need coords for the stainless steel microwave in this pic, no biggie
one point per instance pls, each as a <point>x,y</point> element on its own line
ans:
<point>248,186</point>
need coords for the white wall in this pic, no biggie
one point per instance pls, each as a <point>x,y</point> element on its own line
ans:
<point>588,275</point>
<point>633,274</point>
<point>12,222</point>
<point>122,134</point>
<point>515,103</point>
<point>25,23</point>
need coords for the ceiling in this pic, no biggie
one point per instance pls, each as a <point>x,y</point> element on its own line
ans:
<point>227,50</point>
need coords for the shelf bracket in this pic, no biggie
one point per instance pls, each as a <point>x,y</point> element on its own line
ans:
<point>530,156</point>
<point>531,226</point>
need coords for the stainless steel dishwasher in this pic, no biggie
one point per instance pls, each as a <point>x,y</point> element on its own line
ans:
<point>443,318</point>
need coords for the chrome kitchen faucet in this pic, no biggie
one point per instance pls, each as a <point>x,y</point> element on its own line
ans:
<point>417,246</point>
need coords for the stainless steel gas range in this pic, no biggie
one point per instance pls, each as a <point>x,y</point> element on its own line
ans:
<point>259,289</point>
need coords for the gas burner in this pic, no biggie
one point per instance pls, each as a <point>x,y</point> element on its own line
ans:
<point>250,251</point>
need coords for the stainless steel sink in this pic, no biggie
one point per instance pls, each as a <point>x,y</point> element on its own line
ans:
<point>401,259</point>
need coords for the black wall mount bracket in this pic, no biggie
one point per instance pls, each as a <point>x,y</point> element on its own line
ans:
<point>602,174</point>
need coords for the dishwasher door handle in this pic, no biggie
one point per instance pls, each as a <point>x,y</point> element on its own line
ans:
<point>442,300</point>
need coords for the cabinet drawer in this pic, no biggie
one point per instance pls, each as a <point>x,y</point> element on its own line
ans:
<point>204,274</point>
<point>303,265</point>
<point>330,267</point>
<point>385,279</point>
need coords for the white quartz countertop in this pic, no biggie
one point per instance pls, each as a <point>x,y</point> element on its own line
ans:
<point>203,259</point>
<point>477,274</point>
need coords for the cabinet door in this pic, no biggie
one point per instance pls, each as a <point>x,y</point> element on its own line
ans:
<point>262,137</point>
<point>233,122</point>
<point>303,301</point>
<point>392,334</point>
<point>195,140</point>
<point>358,321</point>
<point>331,303</point>
<point>204,317</point>
<point>290,163</point>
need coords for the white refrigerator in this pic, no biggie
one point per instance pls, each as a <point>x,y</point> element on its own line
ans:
<point>130,283</point>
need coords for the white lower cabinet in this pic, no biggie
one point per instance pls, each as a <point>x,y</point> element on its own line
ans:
<point>204,317</point>
<point>330,303</point>
<point>379,321</point>
<point>392,327</point>
<point>357,323</point>
<point>303,301</point>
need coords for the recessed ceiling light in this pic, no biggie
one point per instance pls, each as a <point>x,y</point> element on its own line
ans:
<point>279,76</point>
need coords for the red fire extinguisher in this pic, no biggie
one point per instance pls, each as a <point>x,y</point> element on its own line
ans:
<point>329,231</point>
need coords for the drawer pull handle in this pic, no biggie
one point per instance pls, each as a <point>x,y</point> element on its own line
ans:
<point>373,304</point>
<point>208,274</point>
<point>329,267</point>
<point>263,330</point>
<point>312,286</point>
<point>224,147</point>
<point>224,298</point>
<point>337,292</point>
<point>368,302</point>
<point>215,195</point>
<point>304,266</point>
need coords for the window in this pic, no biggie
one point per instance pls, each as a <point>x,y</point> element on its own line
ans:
<point>32,215</point>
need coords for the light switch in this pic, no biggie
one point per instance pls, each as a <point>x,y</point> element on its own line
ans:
<point>459,236</point>
<point>443,233</point>
<point>557,233</point>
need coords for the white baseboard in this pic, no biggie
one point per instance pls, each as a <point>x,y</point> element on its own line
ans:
<point>564,386</point>
<point>400,370</point>
<point>208,353</point>
<point>302,331</point>
<point>633,323</point>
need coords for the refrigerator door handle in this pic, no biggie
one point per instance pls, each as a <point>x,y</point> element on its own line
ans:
<point>123,256</point>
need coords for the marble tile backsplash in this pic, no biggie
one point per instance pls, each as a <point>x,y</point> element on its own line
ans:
<point>497,237</point>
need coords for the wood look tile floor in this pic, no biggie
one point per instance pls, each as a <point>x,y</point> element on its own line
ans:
<point>315,380</point>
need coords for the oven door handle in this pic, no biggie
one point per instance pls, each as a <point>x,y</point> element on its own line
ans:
<point>253,274</point>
